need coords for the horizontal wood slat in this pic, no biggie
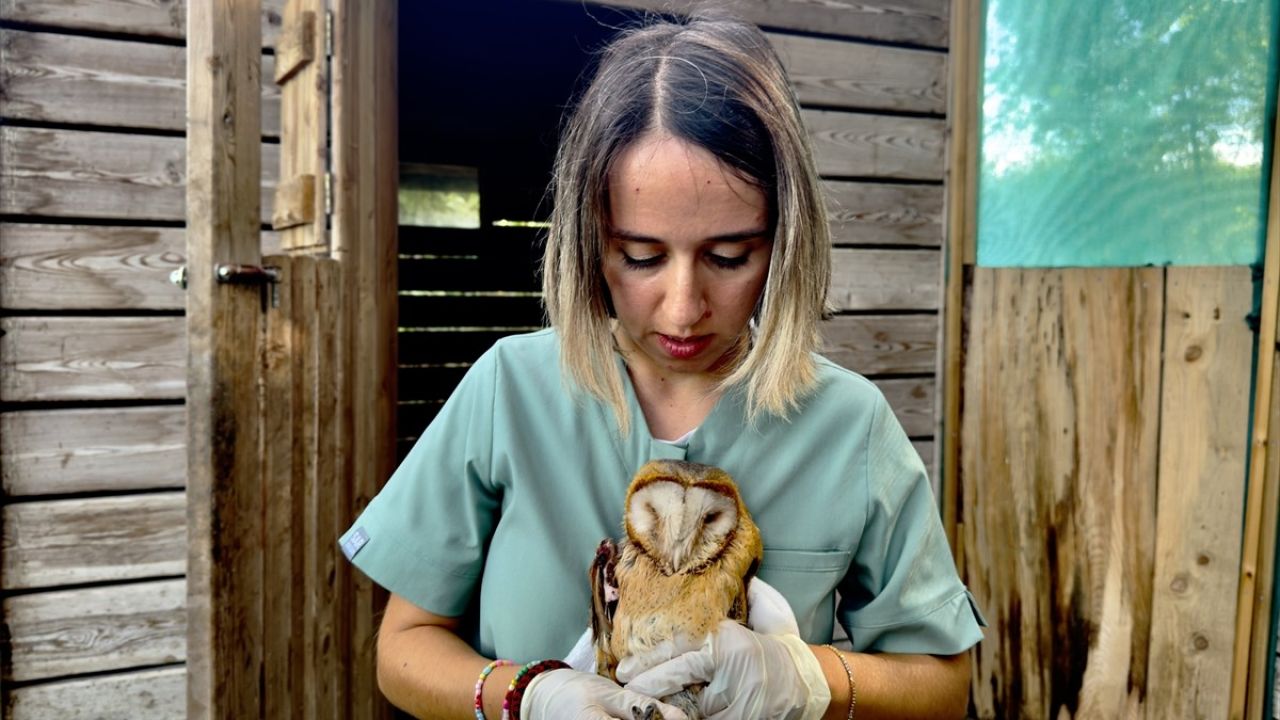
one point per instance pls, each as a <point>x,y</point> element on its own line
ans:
<point>45,452</point>
<point>69,267</point>
<point>513,242</point>
<point>66,542</point>
<point>885,279</point>
<point>858,145</point>
<point>92,358</point>
<point>76,173</point>
<point>70,632</point>
<point>144,695</point>
<point>446,347</point>
<point>868,77</point>
<point>458,311</point>
<point>49,77</point>
<point>881,214</point>
<point>156,18</point>
<point>921,22</point>
<point>882,344</point>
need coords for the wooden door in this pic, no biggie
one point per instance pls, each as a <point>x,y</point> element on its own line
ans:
<point>291,398</point>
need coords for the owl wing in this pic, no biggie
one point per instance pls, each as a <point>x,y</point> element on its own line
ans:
<point>738,610</point>
<point>604,601</point>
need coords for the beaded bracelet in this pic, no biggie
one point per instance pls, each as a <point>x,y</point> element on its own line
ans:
<point>520,683</point>
<point>853,689</point>
<point>480,685</point>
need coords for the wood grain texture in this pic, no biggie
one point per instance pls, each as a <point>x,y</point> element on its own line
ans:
<point>143,695</point>
<point>304,141</point>
<point>880,214</point>
<point>110,358</point>
<point>922,22</point>
<point>912,402</point>
<point>875,344</point>
<point>307,421</point>
<point>79,173</point>
<point>156,18</point>
<point>884,279</point>
<point>70,267</point>
<point>838,73</point>
<point>1203,445</point>
<point>876,146</point>
<point>70,632</point>
<point>49,77</point>
<point>68,542</point>
<point>44,452</point>
<point>1061,398</point>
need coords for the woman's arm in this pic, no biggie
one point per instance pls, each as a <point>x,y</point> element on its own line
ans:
<point>425,669</point>
<point>897,686</point>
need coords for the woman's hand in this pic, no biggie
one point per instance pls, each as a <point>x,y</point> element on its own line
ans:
<point>573,695</point>
<point>747,675</point>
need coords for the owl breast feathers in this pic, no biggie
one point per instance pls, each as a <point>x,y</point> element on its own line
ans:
<point>690,550</point>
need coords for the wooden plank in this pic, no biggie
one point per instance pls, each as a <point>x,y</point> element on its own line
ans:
<point>110,358</point>
<point>48,77</point>
<point>912,403</point>
<point>70,632</point>
<point>881,146</point>
<point>305,457</point>
<point>884,279</point>
<point>224,485</point>
<point>920,22</point>
<point>144,695</point>
<point>329,475</point>
<point>866,77</point>
<point>67,542</point>
<point>880,214</point>
<point>78,173</point>
<point>163,19</point>
<point>296,43</point>
<point>304,118</point>
<point>1203,446</point>
<point>70,267</point>
<point>875,344</point>
<point>295,202</point>
<point>44,452</point>
<point>1059,452</point>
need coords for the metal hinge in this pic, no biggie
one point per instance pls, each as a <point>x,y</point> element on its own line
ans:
<point>328,193</point>
<point>328,33</point>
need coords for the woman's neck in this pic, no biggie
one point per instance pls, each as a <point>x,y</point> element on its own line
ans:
<point>673,403</point>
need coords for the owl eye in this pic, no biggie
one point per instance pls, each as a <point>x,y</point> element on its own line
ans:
<point>711,517</point>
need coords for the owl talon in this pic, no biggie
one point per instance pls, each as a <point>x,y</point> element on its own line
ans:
<point>649,712</point>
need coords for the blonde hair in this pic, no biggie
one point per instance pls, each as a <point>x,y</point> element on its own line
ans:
<point>714,82</point>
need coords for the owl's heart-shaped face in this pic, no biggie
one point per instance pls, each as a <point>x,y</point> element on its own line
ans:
<point>681,525</point>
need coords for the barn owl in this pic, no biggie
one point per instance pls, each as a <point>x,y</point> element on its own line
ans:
<point>690,550</point>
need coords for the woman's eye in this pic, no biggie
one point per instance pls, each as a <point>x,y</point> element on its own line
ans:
<point>729,263</point>
<point>644,262</point>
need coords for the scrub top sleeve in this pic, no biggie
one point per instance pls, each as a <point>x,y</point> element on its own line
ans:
<point>424,535</point>
<point>902,593</point>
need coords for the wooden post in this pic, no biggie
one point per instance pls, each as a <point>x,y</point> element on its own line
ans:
<point>224,566</point>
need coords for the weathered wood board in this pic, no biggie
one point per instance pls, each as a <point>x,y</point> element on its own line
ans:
<point>80,173</point>
<point>882,214</point>
<point>159,694</point>
<point>70,632</point>
<point>1204,422</point>
<point>69,542</point>
<point>50,452</point>
<point>836,73</point>
<point>165,19</point>
<point>109,358</point>
<point>876,146</point>
<point>1059,448</point>
<point>885,279</point>
<point>86,267</point>
<point>49,77</point>
<point>882,344</point>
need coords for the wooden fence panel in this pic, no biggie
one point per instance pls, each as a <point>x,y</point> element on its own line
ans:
<point>885,279</point>
<point>919,22</point>
<point>47,452</point>
<point>111,358</point>
<point>67,542</point>
<point>146,695</point>
<point>881,214</point>
<point>166,19</point>
<point>837,73</point>
<point>69,267</point>
<point>77,173</point>
<point>70,632</point>
<point>882,344</point>
<point>48,77</point>
<point>882,146</point>
<point>1203,444</point>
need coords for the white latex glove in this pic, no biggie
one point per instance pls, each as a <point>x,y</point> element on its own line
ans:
<point>573,695</point>
<point>748,675</point>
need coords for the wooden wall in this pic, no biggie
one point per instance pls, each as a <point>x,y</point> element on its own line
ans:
<point>1105,430</point>
<point>93,354</point>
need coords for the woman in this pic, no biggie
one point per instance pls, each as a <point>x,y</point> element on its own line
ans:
<point>685,274</point>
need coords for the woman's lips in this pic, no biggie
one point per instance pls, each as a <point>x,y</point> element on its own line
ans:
<point>684,348</point>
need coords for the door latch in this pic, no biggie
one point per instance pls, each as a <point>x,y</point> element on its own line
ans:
<point>235,274</point>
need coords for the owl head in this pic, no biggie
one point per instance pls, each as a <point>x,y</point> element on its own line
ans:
<point>684,515</point>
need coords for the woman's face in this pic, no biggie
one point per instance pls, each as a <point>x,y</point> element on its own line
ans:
<point>687,254</point>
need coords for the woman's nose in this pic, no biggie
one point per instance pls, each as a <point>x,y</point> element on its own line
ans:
<point>686,300</point>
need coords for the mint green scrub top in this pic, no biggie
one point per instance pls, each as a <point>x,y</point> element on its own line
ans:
<point>496,513</point>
